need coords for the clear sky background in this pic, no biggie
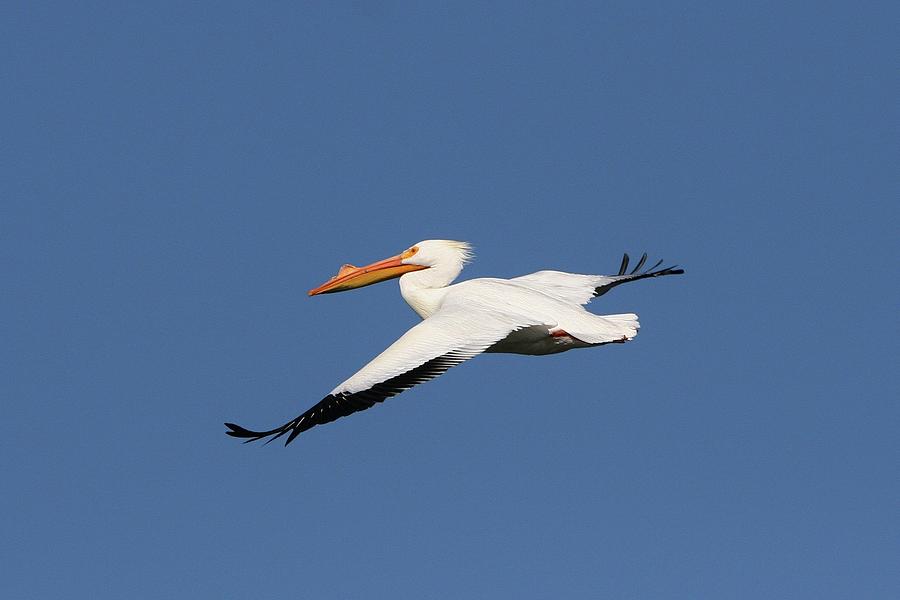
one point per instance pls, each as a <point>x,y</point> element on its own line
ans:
<point>176,176</point>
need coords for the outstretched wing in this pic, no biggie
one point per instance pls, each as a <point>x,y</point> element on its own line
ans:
<point>581,289</point>
<point>457,332</point>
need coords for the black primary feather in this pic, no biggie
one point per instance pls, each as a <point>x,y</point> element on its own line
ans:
<point>624,264</point>
<point>640,264</point>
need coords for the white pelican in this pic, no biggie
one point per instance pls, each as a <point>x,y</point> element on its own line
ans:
<point>541,313</point>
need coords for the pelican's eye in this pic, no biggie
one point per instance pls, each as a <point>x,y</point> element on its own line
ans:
<point>410,252</point>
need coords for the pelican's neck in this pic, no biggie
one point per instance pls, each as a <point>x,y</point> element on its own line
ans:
<point>424,290</point>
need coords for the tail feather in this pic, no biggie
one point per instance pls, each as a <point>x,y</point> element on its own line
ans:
<point>604,329</point>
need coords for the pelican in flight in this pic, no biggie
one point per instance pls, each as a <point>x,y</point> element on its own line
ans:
<point>540,313</point>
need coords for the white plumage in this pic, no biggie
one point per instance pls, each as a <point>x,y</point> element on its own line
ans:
<point>540,313</point>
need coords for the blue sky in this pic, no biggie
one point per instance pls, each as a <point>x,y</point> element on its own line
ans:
<point>175,177</point>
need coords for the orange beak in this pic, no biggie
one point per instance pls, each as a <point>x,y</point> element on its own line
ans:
<point>350,277</point>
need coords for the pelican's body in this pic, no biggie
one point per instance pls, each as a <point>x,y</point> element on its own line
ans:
<point>557,323</point>
<point>540,313</point>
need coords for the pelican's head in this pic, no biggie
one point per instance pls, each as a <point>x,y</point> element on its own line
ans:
<point>445,256</point>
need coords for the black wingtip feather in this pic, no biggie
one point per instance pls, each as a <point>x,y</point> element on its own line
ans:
<point>624,264</point>
<point>640,264</point>
<point>249,435</point>
<point>291,437</point>
<point>636,273</point>
<point>240,432</point>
